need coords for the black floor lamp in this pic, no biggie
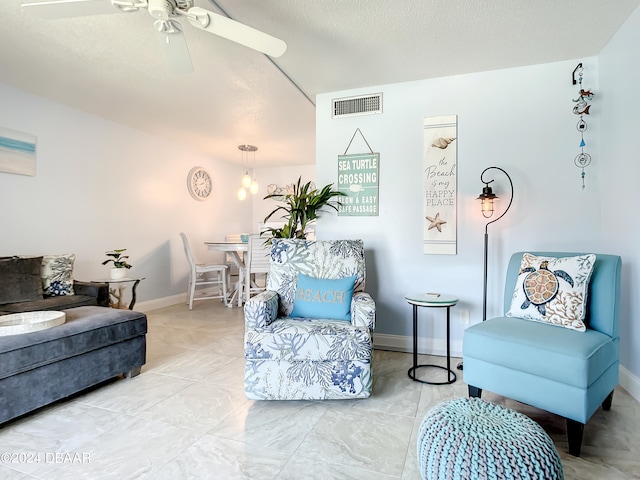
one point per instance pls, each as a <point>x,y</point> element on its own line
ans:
<point>487,198</point>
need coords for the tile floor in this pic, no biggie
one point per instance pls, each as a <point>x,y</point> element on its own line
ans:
<point>186,417</point>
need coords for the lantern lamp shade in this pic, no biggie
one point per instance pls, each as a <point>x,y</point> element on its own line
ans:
<point>486,198</point>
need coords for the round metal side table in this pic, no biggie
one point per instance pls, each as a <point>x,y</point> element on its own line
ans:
<point>431,300</point>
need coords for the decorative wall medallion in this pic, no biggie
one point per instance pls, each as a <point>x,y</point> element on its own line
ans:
<point>279,193</point>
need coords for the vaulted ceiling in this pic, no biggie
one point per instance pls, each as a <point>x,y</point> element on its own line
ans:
<point>112,65</point>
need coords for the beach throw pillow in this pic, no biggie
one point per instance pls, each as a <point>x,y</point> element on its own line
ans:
<point>323,297</point>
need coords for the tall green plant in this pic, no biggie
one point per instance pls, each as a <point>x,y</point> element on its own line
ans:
<point>301,207</point>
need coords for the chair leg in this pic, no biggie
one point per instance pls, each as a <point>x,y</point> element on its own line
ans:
<point>247,285</point>
<point>241,274</point>
<point>192,289</point>
<point>606,405</point>
<point>475,392</point>
<point>223,279</point>
<point>574,436</point>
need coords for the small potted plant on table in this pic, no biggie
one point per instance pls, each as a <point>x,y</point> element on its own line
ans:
<point>120,265</point>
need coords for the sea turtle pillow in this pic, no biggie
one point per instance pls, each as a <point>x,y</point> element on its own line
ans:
<point>553,290</point>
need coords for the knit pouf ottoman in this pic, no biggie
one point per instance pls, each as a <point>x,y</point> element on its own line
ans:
<point>468,438</point>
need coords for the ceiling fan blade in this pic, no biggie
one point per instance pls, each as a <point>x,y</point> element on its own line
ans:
<point>236,31</point>
<point>174,46</point>
<point>54,9</point>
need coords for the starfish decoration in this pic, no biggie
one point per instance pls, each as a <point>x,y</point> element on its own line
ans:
<point>436,222</point>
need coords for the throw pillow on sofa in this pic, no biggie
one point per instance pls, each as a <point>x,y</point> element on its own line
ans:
<point>57,274</point>
<point>20,279</point>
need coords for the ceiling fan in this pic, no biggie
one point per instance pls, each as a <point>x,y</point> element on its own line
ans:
<point>169,30</point>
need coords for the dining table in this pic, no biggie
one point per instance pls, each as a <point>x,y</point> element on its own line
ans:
<point>233,249</point>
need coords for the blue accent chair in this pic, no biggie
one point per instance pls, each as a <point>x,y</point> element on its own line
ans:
<point>562,371</point>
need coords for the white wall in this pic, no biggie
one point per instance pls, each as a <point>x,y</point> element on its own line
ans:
<point>620,77</point>
<point>280,176</point>
<point>518,119</point>
<point>101,186</point>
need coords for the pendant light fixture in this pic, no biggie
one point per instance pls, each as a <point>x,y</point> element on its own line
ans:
<point>248,182</point>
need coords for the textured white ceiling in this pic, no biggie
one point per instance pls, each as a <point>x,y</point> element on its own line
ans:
<point>112,66</point>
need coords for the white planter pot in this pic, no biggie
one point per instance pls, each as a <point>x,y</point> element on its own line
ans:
<point>117,273</point>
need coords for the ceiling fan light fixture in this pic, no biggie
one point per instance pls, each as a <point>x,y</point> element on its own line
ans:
<point>175,48</point>
<point>167,26</point>
<point>161,9</point>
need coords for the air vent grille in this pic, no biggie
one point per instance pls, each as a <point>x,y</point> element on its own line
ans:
<point>361,105</point>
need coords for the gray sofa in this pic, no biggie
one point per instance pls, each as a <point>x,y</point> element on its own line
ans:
<point>87,293</point>
<point>93,345</point>
<point>21,289</point>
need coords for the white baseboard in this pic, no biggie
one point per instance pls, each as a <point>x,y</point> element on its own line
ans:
<point>426,346</point>
<point>630,383</point>
<point>429,346</point>
<point>149,305</point>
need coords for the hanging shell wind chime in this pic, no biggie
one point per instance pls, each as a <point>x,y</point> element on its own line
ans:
<point>581,108</point>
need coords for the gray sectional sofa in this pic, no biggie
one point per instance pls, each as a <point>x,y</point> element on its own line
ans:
<point>93,345</point>
<point>96,343</point>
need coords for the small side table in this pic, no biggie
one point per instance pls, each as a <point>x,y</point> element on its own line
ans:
<point>431,301</point>
<point>118,294</point>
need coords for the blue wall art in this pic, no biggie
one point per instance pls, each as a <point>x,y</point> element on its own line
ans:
<point>17,152</point>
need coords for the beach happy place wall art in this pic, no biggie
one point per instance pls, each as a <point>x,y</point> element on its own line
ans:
<point>440,177</point>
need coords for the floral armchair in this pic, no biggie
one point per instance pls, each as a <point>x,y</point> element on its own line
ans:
<point>309,357</point>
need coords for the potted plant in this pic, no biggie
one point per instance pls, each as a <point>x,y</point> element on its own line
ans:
<point>302,206</point>
<point>120,265</point>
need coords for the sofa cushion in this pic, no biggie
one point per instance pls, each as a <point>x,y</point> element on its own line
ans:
<point>51,303</point>
<point>86,329</point>
<point>57,274</point>
<point>20,279</point>
<point>539,349</point>
<point>308,340</point>
<point>553,290</point>
<point>323,297</point>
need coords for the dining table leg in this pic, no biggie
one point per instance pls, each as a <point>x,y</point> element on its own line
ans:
<point>241,273</point>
